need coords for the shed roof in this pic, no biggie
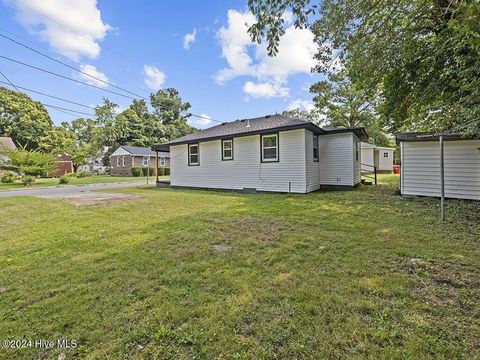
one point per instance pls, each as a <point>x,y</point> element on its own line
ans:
<point>258,125</point>
<point>7,144</point>
<point>426,136</point>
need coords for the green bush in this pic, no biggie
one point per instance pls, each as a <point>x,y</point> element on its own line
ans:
<point>9,178</point>
<point>163,171</point>
<point>28,180</point>
<point>83,174</point>
<point>167,171</point>
<point>63,180</point>
<point>136,171</point>
<point>145,171</point>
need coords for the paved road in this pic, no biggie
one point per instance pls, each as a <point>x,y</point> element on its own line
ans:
<point>59,192</point>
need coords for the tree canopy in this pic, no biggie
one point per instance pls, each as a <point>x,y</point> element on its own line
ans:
<point>419,58</point>
<point>24,120</point>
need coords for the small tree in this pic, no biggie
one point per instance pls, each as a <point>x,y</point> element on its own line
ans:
<point>28,163</point>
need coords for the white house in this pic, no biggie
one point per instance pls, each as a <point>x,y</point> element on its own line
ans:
<point>421,173</point>
<point>271,153</point>
<point>377,156</point>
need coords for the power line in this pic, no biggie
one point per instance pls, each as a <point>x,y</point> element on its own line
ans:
<point>65,77</point>
<point>48,95</point>
<point>74,31</point>
<point>65,109</point>
<point>9,82</point>
<point>69,66</point>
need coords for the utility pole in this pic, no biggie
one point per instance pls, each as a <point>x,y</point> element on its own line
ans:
<point>442,180</point>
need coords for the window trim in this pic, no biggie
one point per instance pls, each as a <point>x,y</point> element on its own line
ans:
<point>118,161</point>
<point>160,158</point>
<point>315,142</point>
<point>189,154</point>
<point>143,160</point>
<point>357,151</point>
<point>223,150</point>
<point>123,161</point>
<point>277,159</point>
<point>385,154</point>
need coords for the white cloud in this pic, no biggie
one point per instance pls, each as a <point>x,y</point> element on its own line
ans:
<point>302,104</point>
<point>265,89</point>
<point>92,71</point>
<point>201,123</point>
<point>189,39</point>
<point>245,58</point>
<point>72,28</point>
<point>154,77</point>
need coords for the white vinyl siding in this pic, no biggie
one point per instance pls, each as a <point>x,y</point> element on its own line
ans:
<point>246,170</point>
<point>312,166</point>
<point>421,169</point>
<point>336,163</point>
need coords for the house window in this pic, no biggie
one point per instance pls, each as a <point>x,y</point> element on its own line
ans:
<point>315,148</point>
<point>123,160</point>
<point>357,156</point>
<point>118,161</point>
<point>269,145</point>
<point>227,149</point>
<point>193,155</point>
<point>145,161</point>
<point>385,154</point>
<point>161,161</point>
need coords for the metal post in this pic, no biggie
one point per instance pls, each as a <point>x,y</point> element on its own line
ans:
<point>156,164</point>
<point>375,170</point>
<point>442,181</point>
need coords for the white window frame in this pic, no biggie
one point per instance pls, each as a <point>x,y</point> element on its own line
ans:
<point>162,161</point>
<point>190,163</point>
<point>123,161</point>
<point>223,149</point>
<point>147,162</point>
<point>385,154</point>
<point>315,147</point>
<point>118,161</point>
<point>263,148</point>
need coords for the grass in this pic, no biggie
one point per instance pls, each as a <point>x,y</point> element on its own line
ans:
<point>360,274</point>
<point>95,179</point>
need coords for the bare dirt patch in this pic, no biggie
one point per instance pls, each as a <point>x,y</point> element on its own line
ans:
<point>93,198</point>
<point>222,247</point>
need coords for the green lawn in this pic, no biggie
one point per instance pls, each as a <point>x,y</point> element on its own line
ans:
<point>96,179</point>
<point>359,274</point>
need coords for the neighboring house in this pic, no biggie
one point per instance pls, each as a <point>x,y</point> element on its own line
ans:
<point>94,166</point>
<point>125,157</point>
<point>64,166</point>
<point>421,171</point>
<point>271,153</point>
<point>377,156</point>
<point>6,144</point>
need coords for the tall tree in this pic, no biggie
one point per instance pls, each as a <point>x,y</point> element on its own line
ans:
<point>420,57</point>
<point>24,120</point>
<point>168,106</point>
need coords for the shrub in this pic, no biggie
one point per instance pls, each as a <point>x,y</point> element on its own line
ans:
<point>167,171</point>
<point>136,171</point>
<point>28,180</point>
<point>83,174</point>
<point>64,179</point>
<point>9,178</point>
<point>145,171</point>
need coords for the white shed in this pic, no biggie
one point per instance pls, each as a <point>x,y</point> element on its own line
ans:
<point>377,156</point>
<point>420,165</point>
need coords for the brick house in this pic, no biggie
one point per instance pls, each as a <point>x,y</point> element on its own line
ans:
<point>125,157</point>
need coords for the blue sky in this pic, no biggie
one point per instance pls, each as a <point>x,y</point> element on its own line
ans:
<point>199,47</point>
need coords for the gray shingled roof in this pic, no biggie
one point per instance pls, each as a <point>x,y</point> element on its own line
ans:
<point>246,127</point>
<point>257,126</point>
<point>136,150</point>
